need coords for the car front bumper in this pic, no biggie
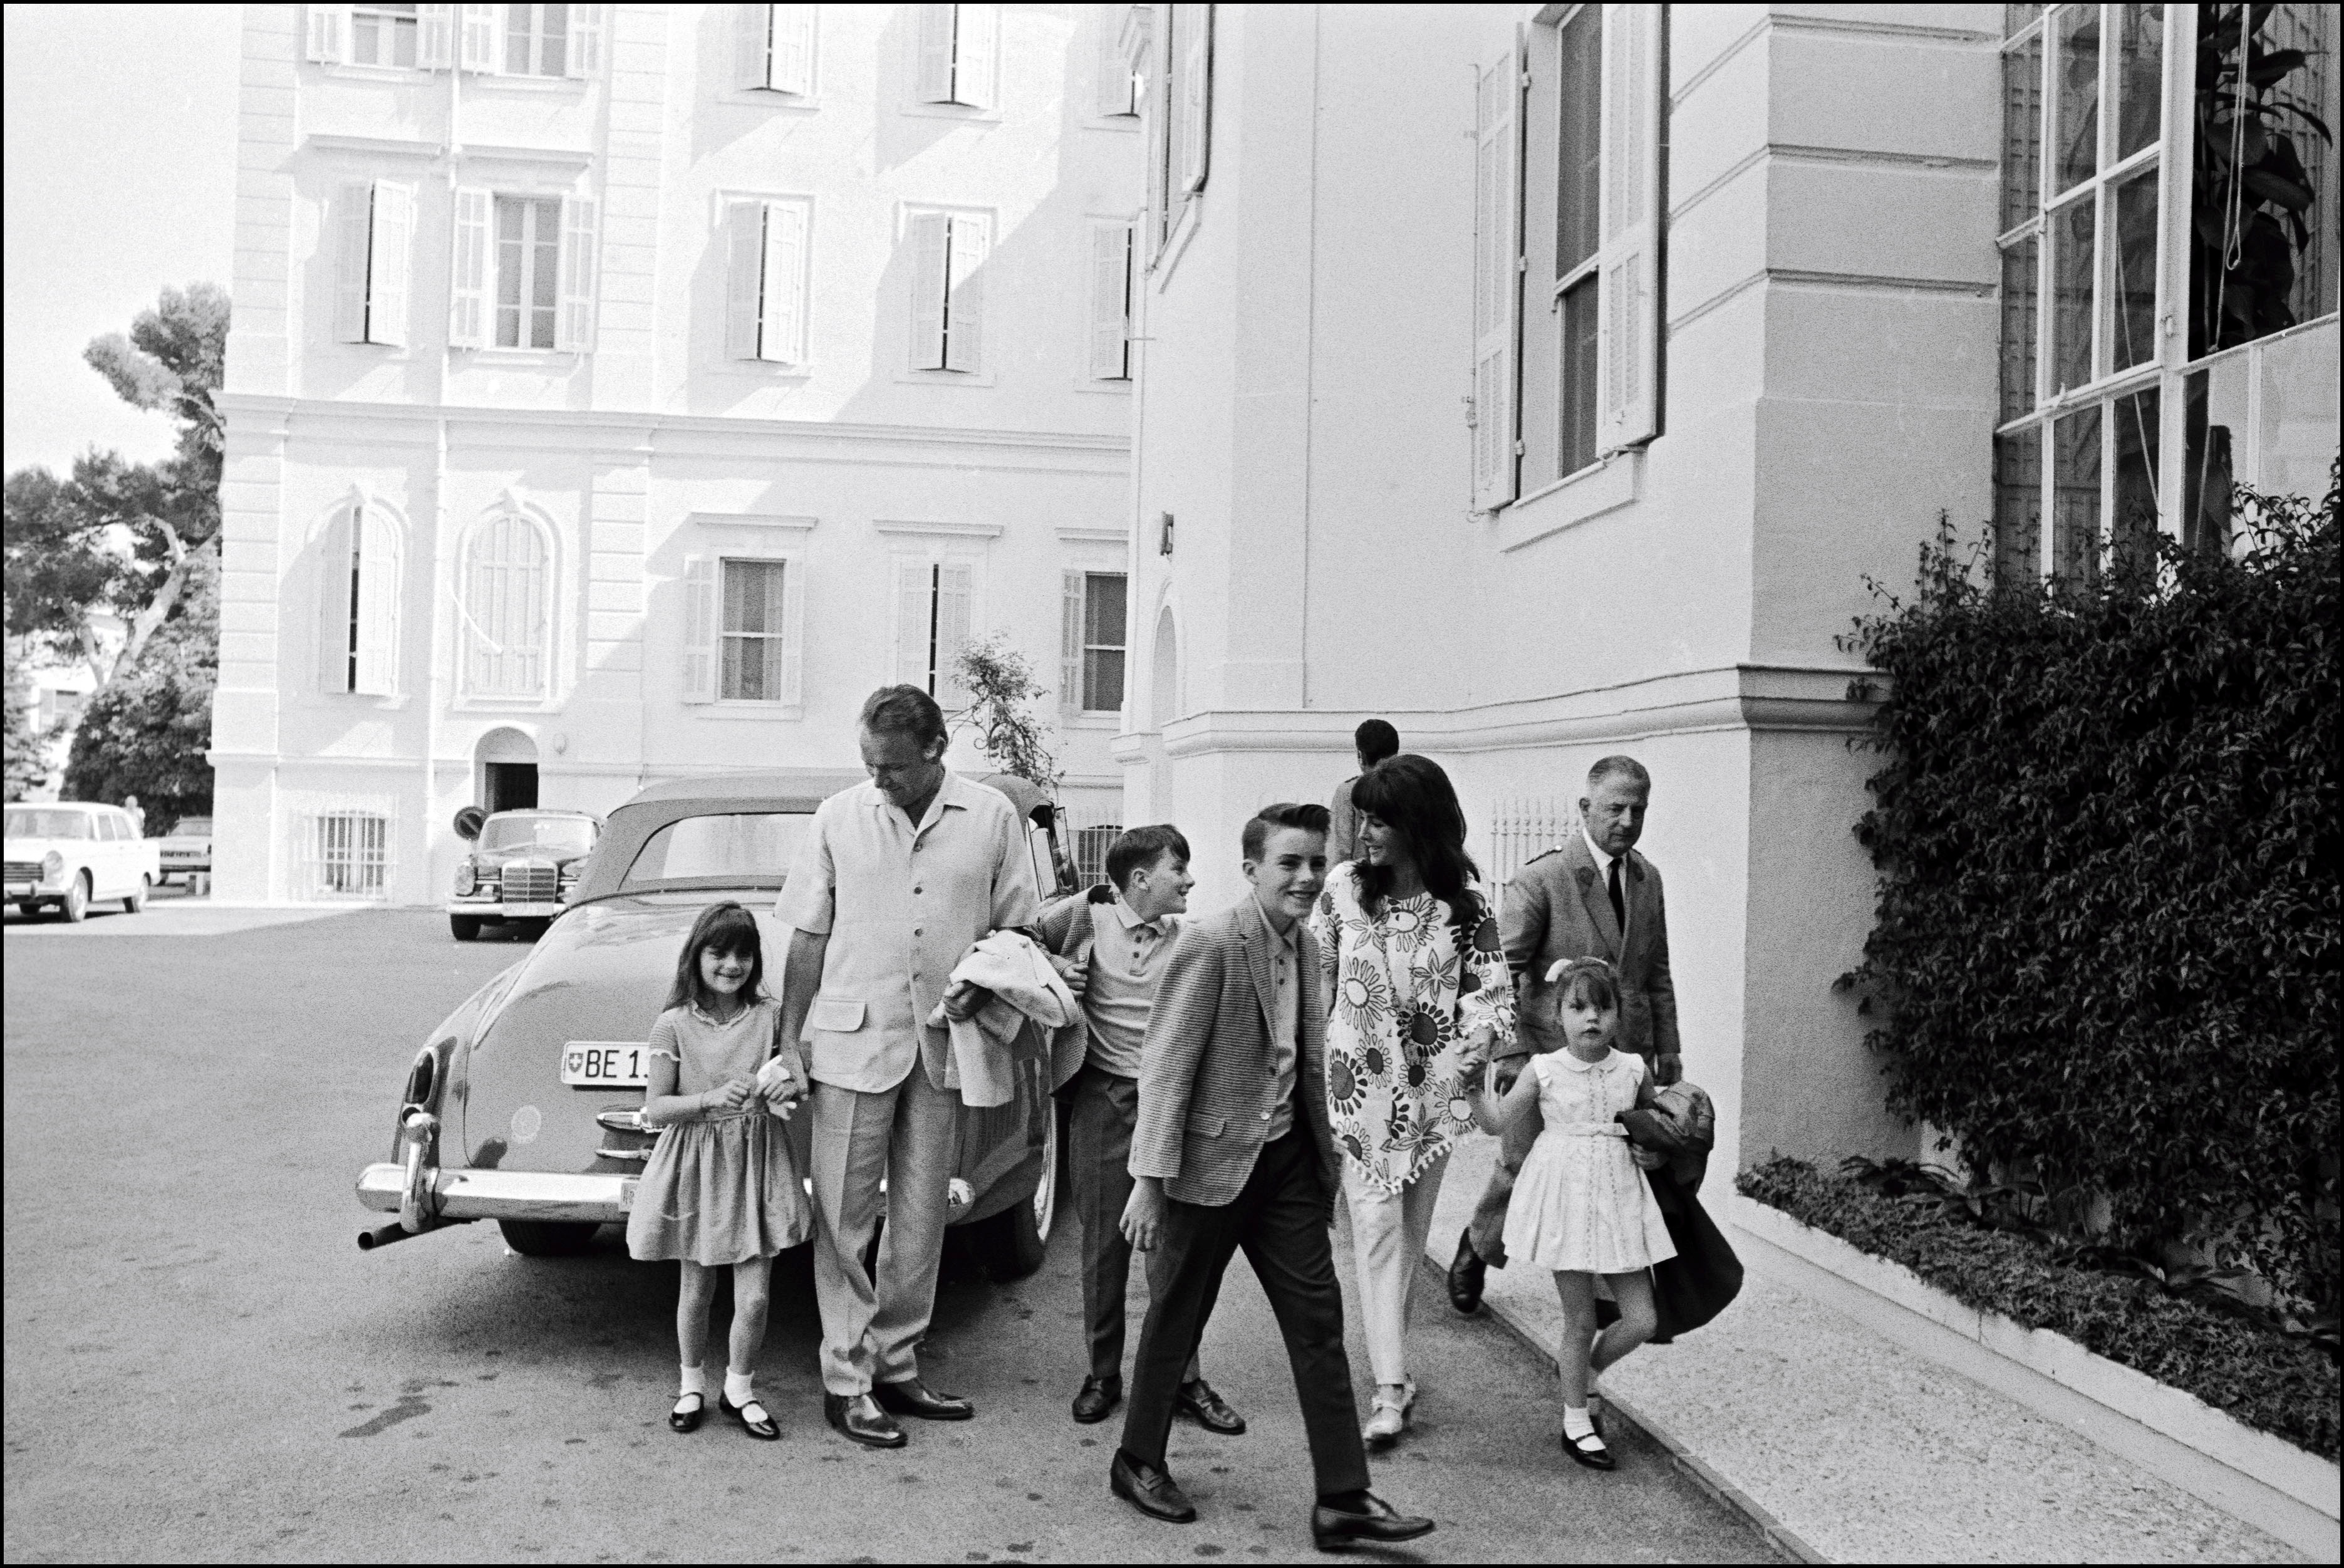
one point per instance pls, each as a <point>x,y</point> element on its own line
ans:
<point>498,909</point>
<point>505,1194</point>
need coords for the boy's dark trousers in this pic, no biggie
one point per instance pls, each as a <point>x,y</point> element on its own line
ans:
<point>1102,1109</point>
<point>1279,1221</point>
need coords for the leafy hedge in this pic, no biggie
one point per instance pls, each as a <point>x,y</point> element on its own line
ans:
<point>2285,1386</point>
<point>2107,946</point>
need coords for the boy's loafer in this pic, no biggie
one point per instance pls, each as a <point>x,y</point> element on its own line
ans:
<point>858,1418</point>
<point>1467,1274</point>
<point>1098,1399</point>
<point>1378,1524</point>
<point>1150,1489</point>
<point>1197,1401</point>
<point>914,1398</point>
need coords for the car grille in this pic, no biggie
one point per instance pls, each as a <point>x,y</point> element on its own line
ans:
<point>24,870</point>
<point>531,884</point>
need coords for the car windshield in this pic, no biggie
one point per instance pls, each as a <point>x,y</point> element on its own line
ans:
<point>758,846</point>
<point>567,834</point>
<point>24,823</point>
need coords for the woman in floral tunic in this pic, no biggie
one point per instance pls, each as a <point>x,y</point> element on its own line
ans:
<point>1418,998</point>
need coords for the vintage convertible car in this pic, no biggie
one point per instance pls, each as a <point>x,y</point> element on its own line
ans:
<point>521,865</point>
<point>524,1105</point>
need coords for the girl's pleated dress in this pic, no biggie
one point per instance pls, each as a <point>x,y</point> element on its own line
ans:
<point>1580,1202</point>
<point>722,1188</point>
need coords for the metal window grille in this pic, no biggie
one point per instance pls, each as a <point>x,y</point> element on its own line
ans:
<point>1088,839</point>
<point>347,854</point>
<point>1521,830</point>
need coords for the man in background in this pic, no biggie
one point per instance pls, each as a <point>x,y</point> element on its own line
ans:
<point>1374,740</point>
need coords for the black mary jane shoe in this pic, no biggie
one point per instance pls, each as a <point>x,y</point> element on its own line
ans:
<point>688,1419</point>
<point>1199,1401</point>
<point>765,1429</point>
<point>1598,1458</point>
<point>1097,1400</point>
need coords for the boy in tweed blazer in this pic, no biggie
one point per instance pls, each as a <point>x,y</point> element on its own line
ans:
<point>1233,1149</point>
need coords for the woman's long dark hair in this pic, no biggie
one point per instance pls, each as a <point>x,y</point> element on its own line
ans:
<point>724,927</point>
<point>1410,795</point>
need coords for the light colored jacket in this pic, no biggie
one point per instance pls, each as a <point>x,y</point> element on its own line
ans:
<point>1558,908</point>
<point>1206,1072</point>
<point>1028,1000</point>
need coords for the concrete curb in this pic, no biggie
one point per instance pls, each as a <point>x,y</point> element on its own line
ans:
<point>2250,1475</point>
<point>1783,1540</point>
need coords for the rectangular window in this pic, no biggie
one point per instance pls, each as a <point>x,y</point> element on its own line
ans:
<point>949,252</point>
<point>528,270</point>
<point>1103,642</point>
<point>375,228</point>
<point>1110,340</point>
<point>934,603</point>
<point>766,280</point>
<point>537,39</point>
<point>358,604</point>
<point>348,854</point>
<point>1116,88</point>
<point>754,627</point>
<point>383,35</point>
<point>957,48</point>
<point>1182,140</point>
<point>777,48</point>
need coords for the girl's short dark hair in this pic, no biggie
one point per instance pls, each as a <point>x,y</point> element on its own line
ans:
<point>725,927</point>
<point>1587,979</point>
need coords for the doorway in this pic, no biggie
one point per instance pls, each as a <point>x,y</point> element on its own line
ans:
<point>508,787</point>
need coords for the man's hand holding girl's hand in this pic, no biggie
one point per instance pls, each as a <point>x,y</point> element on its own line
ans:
<point>733,1095</point>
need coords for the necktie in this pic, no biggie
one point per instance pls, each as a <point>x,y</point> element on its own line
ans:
<point>1619,904</point>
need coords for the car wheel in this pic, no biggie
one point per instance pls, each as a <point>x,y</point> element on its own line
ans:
<point>464,928</point>
<point>137,901</point>
<point>548,1238</point>
<point>74,907</point>
<point>1019,1237</point>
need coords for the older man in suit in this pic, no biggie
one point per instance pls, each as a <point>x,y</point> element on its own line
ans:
<point>1233,1149</point>
<point>1591,897</point>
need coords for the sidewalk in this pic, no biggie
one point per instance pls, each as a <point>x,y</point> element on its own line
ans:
<point>1850,1447</point>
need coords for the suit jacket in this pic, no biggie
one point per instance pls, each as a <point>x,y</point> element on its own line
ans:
<point>1205,1071</point>
<point>1557,908</point>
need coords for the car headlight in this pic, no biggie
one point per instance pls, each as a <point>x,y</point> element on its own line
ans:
<point>467,877</point>
<point>52,865</point>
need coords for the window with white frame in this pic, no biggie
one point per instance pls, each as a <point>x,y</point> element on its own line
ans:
<point>766,280</point>
<point>487,40</point>
<point>507,608</point>
<point>935,606</point>
<point>958,47</point>
<point>743,628</point>
<point>1114,87</point>
<point>1180,135</point>
<point>1111,276</point>
<point>383,35</point>
<point>358,603</point>
<point>1093,640</point>
<point>1569,172</point>
<point>947,257</point>
<point>524,269</point>
<point>2164,203</point>
<point>374,225</point>
<point>346,854</point>
<point>536,40</point>
<point>776,48</point>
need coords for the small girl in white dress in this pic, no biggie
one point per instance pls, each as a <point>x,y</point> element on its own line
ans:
<point>1582,1205</point>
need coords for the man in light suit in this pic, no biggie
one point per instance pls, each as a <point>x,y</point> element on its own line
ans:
<point>1592,897</point>
<point>1233,1149</point>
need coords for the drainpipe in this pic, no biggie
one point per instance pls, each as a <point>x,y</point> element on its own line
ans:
<point>440,464</point>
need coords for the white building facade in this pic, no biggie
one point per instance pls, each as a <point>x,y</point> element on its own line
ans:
<point>618,392</point>
<point>1549,380</point>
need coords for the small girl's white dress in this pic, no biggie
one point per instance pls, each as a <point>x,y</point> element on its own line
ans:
<point>1580,1202</point>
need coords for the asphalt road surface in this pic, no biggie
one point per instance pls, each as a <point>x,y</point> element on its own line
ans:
<point>201,1364</point>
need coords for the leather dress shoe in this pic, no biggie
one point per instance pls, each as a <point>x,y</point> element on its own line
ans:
<point>914,1398</point>
<point>1199,1403</point>
<point>859,1419</point>
<point>1098,1399</point>
<point>765,1428</point>
<point>1466,1274</point>
<point>1376,1524</point>
<point>1149,1489</point>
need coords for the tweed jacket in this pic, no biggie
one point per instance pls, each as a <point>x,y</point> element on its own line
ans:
<point>1205,1075</point>
<point>1558,908</point>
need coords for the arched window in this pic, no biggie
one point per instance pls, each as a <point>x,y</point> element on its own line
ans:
<point>505,596</point>
<point>358,601</point>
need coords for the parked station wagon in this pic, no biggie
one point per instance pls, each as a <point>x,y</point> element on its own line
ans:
<point>524,1106</point>
<point>521,865</point>
<point>70,855</point>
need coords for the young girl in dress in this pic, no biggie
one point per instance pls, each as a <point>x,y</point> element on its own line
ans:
<point>721,1190</point>
<point>1582,1205</point>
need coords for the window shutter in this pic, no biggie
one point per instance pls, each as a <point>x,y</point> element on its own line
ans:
<point>1196,97</point>
<point>956,592</point>
<point>1070,642</point>
<point>929,233</point>
<point>755,44</point>
<point>387,263</point>
<point>1110,301</point>
<point>745,292</point>
<point>784,338</point>
<point>574,326</point>
<point>1496,279</point>
<point>976,40</point>
<point>334,605</point>
<point>700,629</point>
<point>435,37</point>
<point>329,35</point>
<point>583,57</point>
<point>1628,298</point>
<point>1112,88</point>
<point>964,307</point>
<point>933,83</point>
<point>377,610</point>
<point>792,67</point>
<point>468,281</point>
<point>793,631</point>
<point>352,225</point>
<point>914,621</point>
<point>477,39</point>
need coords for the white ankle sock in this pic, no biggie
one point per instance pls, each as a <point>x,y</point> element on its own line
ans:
<point>738,1389</point>
<point>687,1381</point>
<point>1576,1422</point>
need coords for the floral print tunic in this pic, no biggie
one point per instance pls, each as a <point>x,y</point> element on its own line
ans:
<point>1407,1023</point>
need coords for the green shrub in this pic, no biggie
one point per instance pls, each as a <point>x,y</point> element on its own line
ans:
<point>2107,945</point>
<point>2283,1385</point>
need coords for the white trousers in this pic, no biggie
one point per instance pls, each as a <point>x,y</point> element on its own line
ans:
<point>1388,1232</point>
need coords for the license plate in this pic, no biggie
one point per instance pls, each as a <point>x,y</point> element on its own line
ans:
<point>606,1064</point>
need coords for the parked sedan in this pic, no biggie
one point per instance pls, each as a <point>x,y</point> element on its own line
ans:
<point>525,1106</point>
<point>71,855</point>
<point>521,865</point>
<point>186,850</point>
